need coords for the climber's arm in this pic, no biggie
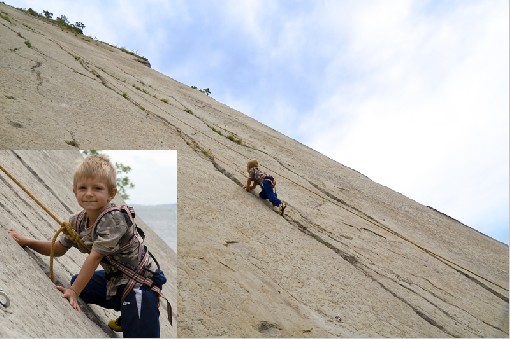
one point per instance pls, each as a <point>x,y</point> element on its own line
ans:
<point>40,246</point>
<point>250,184</point>
<point>86,272</point>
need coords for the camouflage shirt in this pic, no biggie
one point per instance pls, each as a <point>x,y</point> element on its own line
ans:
<point>108,235</point>
<point>257,175</point>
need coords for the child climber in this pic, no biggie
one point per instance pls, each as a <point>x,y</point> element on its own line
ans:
<point>112,237</point>
<point>266,182</point>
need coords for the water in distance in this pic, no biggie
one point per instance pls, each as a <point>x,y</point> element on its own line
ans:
<point>162,219</point>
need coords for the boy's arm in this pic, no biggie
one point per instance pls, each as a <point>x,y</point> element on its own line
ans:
<point>86,272</point>
<point>248,185</point>
<point>40,246</point>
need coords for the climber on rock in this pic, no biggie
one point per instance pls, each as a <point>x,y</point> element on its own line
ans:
<point>267,184</point>
<point>131,281</point>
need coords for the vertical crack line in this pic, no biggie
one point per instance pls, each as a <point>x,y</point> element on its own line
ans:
<point>351,259</point>
<point>414,308</point>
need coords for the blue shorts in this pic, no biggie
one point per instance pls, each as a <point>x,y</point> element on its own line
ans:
<point>139,311</point>
<point>268,193</point>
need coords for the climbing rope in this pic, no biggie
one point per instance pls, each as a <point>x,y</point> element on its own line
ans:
<point>65,226</point>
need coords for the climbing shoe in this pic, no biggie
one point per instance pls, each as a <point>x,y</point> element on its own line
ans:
<point>282,207</point>
<point>115,325</point>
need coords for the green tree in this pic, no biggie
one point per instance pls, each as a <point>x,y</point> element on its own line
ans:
<point>205,90</point>
<point>123,181</point>
<point>62,18</point>
<point>79,25</point>
<point>48,14</point>
<point>89,152</point>
<point>32,12</point>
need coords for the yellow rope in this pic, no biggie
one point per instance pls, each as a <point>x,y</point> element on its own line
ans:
<point>65,226</point>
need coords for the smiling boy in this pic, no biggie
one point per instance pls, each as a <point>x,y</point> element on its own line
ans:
<point>111,236</point>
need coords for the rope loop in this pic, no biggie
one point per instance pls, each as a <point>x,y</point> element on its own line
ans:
<point>69,231</point>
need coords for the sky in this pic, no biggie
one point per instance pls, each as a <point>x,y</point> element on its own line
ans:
<point>153,173</point>
<point>413,94</point>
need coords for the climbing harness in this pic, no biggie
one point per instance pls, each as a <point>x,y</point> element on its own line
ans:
<point>272,181</point>
<point>66,228</point>
<point>137,235</point>
<point>6,302</point>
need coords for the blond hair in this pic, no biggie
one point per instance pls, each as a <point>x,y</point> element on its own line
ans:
<point>252,163</point>
<point>96,165</point>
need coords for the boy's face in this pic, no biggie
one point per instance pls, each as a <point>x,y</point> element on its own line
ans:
<point>93,194</point>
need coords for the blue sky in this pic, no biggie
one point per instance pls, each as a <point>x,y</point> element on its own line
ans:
<point>411,93</point>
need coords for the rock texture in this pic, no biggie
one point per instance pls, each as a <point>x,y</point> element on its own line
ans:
<point>37,308</point>
<point>350,258</point>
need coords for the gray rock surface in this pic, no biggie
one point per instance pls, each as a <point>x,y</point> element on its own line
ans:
<point>350,258</point>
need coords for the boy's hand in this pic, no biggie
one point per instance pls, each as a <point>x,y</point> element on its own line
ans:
<point>70,295</point>
<point>20,238</point>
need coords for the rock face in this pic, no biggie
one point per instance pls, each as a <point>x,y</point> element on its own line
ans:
<point>350,258</point>
<point>37,308</point>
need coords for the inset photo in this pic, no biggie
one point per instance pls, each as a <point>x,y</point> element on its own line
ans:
<point>89,238</point>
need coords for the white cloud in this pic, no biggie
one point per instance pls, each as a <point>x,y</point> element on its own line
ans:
<point>154,173</point>
<point>427,113</point>
<point>249,16</point>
